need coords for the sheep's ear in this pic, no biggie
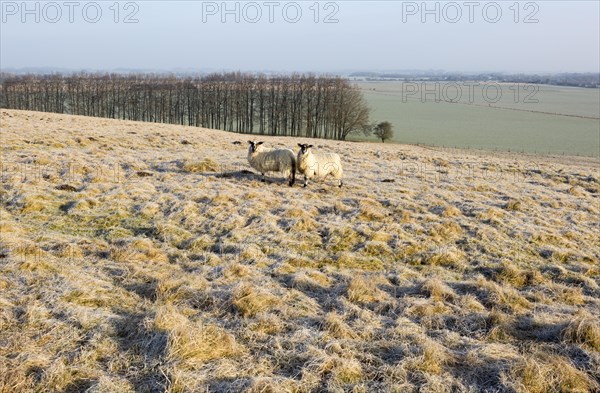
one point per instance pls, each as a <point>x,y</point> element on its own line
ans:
<point>309,146</point>
<point>259,143</point>
<point>250,142</point>
<point>300,144</point>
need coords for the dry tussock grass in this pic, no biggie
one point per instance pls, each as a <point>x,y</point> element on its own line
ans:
<point>548,373</point>
<point>249,300</point>
<point>584,329</point>
<point>434,358</point>
<point>337,328</point>
<point>437,290</point>
<point>361,290</point>
<point>503,297</point>
<point>144,264</point>
<point>206,165</point>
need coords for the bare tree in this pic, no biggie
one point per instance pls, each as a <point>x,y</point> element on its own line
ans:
<point>383,131</point>
<point>352,112</point>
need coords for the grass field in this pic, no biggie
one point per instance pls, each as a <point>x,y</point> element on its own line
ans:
<point>141,257</point>
<point>556,120</point>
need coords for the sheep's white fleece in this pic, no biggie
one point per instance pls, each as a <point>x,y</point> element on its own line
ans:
<point>273,160</point>
<point>320,165</point>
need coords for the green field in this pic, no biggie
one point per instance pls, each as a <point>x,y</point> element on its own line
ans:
<point>555,120</point>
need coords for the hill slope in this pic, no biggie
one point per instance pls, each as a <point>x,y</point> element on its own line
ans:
<point>146,257</point>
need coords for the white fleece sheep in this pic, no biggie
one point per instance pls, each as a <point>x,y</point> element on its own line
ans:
<point>318,165</point>
<point>272,160</point>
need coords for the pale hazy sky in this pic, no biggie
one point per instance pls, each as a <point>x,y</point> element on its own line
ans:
<point>373,35</point>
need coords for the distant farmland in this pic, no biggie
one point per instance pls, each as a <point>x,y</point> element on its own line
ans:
<point>562,121</point>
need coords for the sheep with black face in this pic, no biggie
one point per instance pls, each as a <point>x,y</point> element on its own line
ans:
<point>313,165</point>
<point>272,160</point>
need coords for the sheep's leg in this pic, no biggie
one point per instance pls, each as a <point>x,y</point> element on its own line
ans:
<point>340,183</point>
<point>305,181</point>
<point>293,172</point>
<point>262,179</point>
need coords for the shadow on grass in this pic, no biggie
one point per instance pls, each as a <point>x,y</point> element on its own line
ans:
<point>145,347</point>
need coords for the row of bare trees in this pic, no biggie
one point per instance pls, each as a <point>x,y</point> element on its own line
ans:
<point>291,105</point>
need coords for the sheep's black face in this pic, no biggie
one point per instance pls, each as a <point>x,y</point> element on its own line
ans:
<point>304,147</point>
<point>254,145</point>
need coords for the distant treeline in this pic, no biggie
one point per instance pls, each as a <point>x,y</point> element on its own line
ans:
<point>294,105</point>
<point>588,80</point>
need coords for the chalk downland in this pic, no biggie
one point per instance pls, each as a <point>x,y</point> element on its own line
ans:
<point>133,262</point>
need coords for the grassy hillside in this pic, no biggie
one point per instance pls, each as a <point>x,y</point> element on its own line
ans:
<point>148,258</point>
